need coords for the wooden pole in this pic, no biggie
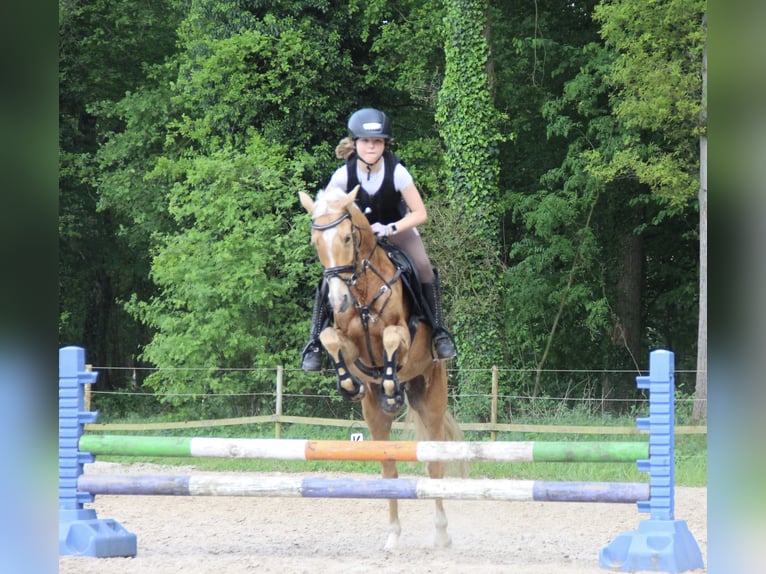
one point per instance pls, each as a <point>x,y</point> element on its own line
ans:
<point>278,424</point>
<point>89,369</point>
<point>493,407</point>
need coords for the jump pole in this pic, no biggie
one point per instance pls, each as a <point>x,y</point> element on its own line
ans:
<point>401,451</point>
<point>662,543</point>
<point>241,484</point>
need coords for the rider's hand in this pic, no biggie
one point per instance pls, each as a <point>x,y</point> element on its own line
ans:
<point>381,230</point>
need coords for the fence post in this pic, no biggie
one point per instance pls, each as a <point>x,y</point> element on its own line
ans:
<point>493,404</point>
<point>278,408</point>
<point>81,532</point>
<point>661,543</point>
<point>88,390</point>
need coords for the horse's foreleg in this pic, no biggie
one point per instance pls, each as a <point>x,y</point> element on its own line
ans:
<point>394,526</point>
<point>396,340</point>
<point>340,349</point>
<point>428,397</point>
<point>441,537</point>
<point>379,424</point>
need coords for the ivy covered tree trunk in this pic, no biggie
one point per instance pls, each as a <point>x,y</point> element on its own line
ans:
<point>468,124</point>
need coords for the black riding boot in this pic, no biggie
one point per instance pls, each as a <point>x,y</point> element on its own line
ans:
<point>442,339</point>
<point>312,352</point>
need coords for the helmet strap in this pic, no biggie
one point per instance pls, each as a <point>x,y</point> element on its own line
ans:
<point>369,165</point>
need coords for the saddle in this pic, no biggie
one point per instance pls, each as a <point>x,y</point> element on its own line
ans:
<point>410,280</point>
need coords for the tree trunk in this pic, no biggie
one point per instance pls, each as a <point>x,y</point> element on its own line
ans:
<point>700,400</point>
<point>626,332</point>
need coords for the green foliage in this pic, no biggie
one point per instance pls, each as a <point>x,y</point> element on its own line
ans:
<point>407,46</point>
<point>202,167</point>
<point>468,123</point>
<point>658,98</point>
<point>578,229</point>
<point>235,260</point>
<point>547,154</point>
<point>103,53</point>
<point>260,77</point>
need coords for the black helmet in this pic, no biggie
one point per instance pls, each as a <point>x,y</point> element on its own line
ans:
<point>369,123</point>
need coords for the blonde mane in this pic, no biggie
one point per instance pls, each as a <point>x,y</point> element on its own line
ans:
<point>324,199</point>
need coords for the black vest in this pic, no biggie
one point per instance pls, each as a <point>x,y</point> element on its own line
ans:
<point>385,206</point>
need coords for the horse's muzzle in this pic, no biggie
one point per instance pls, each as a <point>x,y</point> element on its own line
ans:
<point>340,299</point>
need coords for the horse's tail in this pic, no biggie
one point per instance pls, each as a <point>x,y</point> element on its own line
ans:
<point>452,432</point>
<point>452,428</point>
<point>418,430</point>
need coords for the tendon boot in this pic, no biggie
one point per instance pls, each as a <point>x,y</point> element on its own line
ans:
<point>312,352</point>
<point>441,337</point>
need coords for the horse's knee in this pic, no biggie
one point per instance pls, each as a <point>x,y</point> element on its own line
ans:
<point>396,340</point>
<point>349,386</point>
<point>330,341</point>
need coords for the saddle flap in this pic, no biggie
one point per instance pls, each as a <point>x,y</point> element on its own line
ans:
<point>408,275</point>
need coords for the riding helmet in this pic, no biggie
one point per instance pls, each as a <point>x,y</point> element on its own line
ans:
<point>369,123</point>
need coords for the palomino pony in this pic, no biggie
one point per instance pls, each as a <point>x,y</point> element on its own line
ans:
<point>379,354</point>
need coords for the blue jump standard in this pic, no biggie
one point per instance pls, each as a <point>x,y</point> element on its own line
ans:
<point>661,543</point>
<point>81,532</point>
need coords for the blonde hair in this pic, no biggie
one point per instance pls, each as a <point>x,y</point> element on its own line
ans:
<point>345,148</point>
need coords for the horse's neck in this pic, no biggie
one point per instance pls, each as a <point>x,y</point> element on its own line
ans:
<point>381,271</point>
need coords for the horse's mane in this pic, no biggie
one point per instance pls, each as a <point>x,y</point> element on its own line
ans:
<point>324,199</point>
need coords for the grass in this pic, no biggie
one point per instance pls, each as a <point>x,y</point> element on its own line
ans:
<point>690,467</point>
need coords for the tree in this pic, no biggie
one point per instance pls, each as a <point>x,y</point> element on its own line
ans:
<point>205,170</point>
<point>105,49</point>
<point>551,230</point>
<point>579,292</point>
<point>227,277</point>
<point>660,76</point>
<point>468,122</point>
<point>700,403</point>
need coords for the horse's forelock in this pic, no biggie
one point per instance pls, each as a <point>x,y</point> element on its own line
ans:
<point>324,199</point>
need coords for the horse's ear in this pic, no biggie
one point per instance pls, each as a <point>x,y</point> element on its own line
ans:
<point>306,201</point>
<point>353,192</point>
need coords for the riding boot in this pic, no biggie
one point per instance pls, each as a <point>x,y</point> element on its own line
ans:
<point>312,352</point>
<point>441,337</point>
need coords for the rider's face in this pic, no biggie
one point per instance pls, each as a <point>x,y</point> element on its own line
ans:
<point>370,149</point>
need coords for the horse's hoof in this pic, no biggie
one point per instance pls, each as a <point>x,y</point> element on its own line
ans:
<point>392,403</point>
<point>356,391</point>
<point>442,540</point>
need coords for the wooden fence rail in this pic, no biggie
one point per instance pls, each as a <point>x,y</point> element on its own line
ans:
<point>278,419</point>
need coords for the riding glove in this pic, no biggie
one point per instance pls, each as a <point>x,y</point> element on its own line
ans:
<point>382,230</point>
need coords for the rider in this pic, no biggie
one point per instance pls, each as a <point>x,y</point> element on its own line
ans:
<point>394,208</point>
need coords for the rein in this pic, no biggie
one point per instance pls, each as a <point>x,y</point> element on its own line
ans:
<point>357,269</point>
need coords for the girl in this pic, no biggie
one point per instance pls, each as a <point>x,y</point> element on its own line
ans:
<point>394,208</point>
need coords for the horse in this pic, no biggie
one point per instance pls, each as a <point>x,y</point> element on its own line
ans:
<point>379,351</point>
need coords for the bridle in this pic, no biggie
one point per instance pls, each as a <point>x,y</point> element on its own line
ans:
<point>351,273</point>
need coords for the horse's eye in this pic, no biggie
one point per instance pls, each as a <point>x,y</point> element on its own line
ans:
<point>347,238</point>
